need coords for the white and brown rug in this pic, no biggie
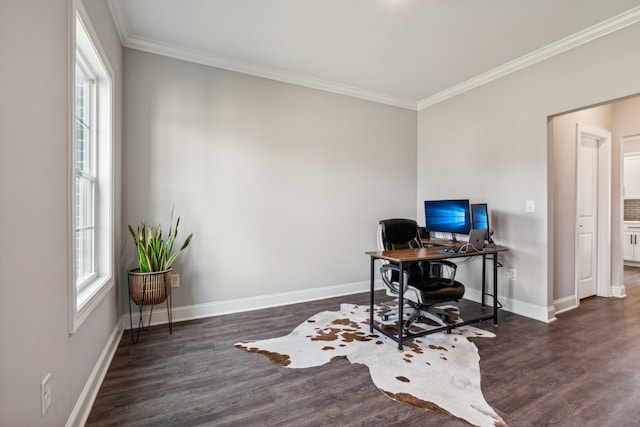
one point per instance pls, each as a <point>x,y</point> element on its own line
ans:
<point>439,372</point>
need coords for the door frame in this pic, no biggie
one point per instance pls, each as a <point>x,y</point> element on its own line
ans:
<point>603,276</point>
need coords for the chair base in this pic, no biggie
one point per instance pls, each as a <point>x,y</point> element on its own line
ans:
<point>438,315</point>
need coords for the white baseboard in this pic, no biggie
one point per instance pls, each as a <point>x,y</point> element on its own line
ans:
<point>83,406</point>
<point>512,305</point>
<point>618,291</point>
<point>219,308</point>
<point>565,304</point>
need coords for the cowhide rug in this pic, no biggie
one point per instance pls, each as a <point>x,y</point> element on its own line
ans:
<point>439,372</point>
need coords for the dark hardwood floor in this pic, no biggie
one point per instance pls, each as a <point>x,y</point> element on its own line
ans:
<point>631,277</point>
<point>581,370</point>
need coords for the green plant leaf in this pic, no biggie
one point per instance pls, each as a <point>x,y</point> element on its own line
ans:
<point>154,252</point>
<point>186,242</point>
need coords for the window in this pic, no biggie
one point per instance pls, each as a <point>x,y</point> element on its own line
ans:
<point>84,170</point>
<point>91,174</point>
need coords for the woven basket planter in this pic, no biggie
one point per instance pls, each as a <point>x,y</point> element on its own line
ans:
<point>149,288</point>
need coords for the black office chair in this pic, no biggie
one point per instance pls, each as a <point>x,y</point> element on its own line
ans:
<point>426,283</point>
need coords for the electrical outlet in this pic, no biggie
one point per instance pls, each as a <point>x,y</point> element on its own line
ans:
<point>175,280</point>
<point>45,393</point>
<point>530,206</point>
<point>511,274</point>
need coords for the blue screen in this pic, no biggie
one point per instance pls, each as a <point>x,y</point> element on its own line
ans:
<point>447,216</point>
<point>480,217</point>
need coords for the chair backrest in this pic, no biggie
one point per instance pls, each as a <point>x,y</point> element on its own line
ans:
<point>399,233</point>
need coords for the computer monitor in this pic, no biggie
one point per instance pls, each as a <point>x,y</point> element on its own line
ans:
<point>480,218</point>
<point>448,216</point>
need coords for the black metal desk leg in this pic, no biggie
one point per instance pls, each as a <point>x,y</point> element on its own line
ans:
<point>495,289</point>
<point>373,261</point>
<point>484,281</point>
<point>400,304</point>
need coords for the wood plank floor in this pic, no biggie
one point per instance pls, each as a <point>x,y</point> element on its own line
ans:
<point>581,370</point>
<point>631,277</point>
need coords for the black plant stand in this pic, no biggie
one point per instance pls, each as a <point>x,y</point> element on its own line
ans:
<point>152,292</point>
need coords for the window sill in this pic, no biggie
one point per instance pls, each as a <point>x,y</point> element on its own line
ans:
<point>88,299</point>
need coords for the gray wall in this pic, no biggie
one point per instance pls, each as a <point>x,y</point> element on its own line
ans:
<point>627,121</point>
<point>502,127</point>
<point>34,146</point>
<point>282,186</point>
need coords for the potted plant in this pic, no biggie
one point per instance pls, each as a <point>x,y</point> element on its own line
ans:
<point>150,283</point>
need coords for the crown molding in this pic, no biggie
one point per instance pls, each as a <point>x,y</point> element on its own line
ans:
<point>585,36</point>
<point>206,58</point>
<point>120,19</point>
<point>608,26</point>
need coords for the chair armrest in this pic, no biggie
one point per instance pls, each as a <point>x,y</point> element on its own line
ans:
<point>386,271</point>
<point>446,262</point>
<point>445,269</point>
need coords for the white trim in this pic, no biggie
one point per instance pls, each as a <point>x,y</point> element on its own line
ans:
<point>82,408</point>
<point>219,308</point>
<point>603,278</point>
<point>585,36</point>
<point>257,70</point>
<point>206,58</point>
<point>608,26</point>
<point>565,304</point>
<point>71,70</point>
<point>82,303</point>
<point>522,308</point>
<point>120,19</point>
<point>239,305</point>
<point>618,291</point>
<point>599,30</point>
<point>88,299</point>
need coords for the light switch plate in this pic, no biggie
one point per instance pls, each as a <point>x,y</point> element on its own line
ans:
<point>45,393</point>
<point>530,206</point>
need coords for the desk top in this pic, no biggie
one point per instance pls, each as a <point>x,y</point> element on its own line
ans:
<point>423,254</point>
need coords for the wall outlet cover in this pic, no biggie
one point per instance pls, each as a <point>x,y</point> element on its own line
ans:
<point>530,206</point>
<point>45,393</point>
<point>175,280</point>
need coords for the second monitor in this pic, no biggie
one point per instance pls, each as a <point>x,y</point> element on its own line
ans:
<point>480,218</point>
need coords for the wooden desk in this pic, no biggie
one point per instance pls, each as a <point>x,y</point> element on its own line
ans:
<point>407,256</point>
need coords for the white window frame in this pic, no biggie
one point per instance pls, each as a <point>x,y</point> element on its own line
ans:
<point>91,175</point>
<point>85,295</point>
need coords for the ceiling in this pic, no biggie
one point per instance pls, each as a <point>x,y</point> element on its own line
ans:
<point>409,53</point>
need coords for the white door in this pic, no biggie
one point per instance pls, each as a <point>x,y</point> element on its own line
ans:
<point>587,215</point>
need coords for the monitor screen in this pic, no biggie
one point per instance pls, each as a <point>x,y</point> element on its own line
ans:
<point>447,216</point>
<point>480,217</point>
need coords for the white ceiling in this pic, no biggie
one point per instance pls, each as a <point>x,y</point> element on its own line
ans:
<point>410,53</point>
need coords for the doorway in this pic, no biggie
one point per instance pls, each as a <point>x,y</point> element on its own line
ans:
<point>630,151</point>
<point>619,116</point>
<point>593,213</point>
